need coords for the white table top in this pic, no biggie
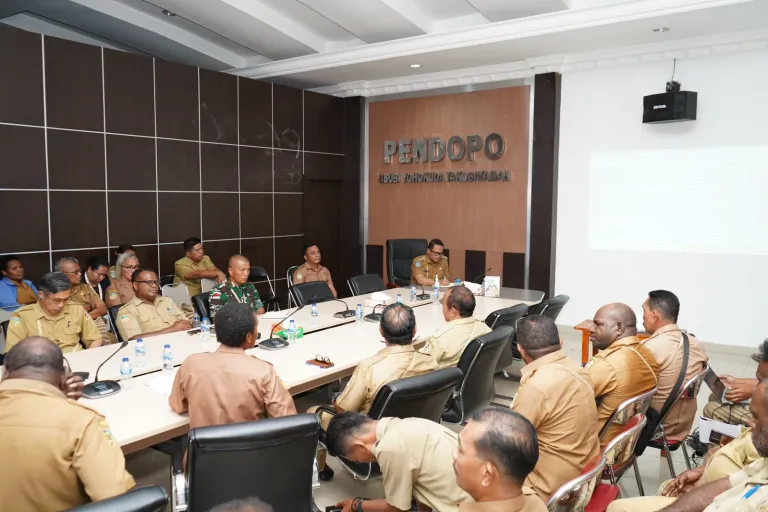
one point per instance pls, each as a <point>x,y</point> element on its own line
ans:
<point>140,417</point>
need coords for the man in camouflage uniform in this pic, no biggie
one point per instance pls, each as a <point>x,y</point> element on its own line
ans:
<point>236,288</point>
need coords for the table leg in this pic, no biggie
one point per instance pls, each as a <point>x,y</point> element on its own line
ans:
<point>584,347</point>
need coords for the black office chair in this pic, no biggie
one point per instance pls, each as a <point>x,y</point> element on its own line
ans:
<point>202,304</point>
<point>164,280</point>
<point>366,283</point>
<point>289,280</point>
<point>272,459</point>
<point>550,307</point>
<point>143,499</point>
<point>423,396</point>
<point>4,330</point>
<point>507,316</point>
<point>307,293</point>
<point>400,254</point>
<point>477,363</point>
<point>260,275</point>
<point>113,320</point>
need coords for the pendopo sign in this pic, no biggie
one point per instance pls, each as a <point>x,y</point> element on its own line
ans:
<point>434,149</point>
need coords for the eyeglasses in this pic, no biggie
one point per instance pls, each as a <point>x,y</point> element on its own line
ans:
<point>55,300</point>
<point>323,359</point>
<point>132,267</point>
<point>436,253</point>
<point>150,283</point>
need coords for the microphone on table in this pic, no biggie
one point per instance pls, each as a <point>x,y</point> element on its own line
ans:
<point>101,388</point>
<point>347,313</point>
<point>374,316</point>
<point>481,276</point>
<point>422,295</point>
<point>274,342</point>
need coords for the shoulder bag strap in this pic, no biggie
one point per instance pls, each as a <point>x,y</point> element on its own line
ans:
<point>680,378</point>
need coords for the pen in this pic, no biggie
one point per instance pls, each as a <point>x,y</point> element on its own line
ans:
<point>751,492</point>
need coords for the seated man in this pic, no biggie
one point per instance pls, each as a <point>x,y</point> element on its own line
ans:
<point>120,290</point>
<point>448,343</point>
<point>415,456</point>
<point>245,505</point>
<point>15,291</point>
<point>95,275</point>
<point>52,317</point>
<point>230,386</point>
<point>148,314</point>
<point>236,288</point>
<point>497,451</point>
<point>43,433</point>
<point>311,270</point>
<point>397,360</point>
<point>83,295</point>
<point>114,271</point>
<point>624,368</point>
<point>557,397</point>
<point>660,311</point>
<point>720,462</point>
<point>195,266</point>
<point>431,267</point>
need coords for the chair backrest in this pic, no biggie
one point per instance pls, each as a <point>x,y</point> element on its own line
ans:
<point>207,284</point>
<point>271,458</point>
<point>143,499</point>
<point>574,495</point>
<point>178,292</point>
<point>202,304</point>
<point>260,275</point>
<point>507,316</point>
<point>688,390</point>
<point>165,280</point>
<point>478,363</point>
<point>423,396</point>
<point>621,449</point>
<point>112,310</point>
<point>289,274</point>
<point>4,327</point>
<point>306,293</point>
<point>628,409</point>
<point>366,283</point>
<point>550,307</point>
<point>400,254</point>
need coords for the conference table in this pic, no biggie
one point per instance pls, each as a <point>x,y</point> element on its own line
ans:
<point>139,415</point>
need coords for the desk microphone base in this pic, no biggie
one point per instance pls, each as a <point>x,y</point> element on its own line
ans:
<point>373,317</point>
<point>344,314</point>
<point>100,389</point>
<point>273,344</point>
<point>424,296</point>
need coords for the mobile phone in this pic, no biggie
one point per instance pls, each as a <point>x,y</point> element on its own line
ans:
<point>333,508</point>
<point>719,438</point>
<point>82,375</point>
<point>193,332</point>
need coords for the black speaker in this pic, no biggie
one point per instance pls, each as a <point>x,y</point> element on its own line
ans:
<point>670,107</point>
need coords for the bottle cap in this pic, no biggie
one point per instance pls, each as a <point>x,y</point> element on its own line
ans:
<point>125,359</point>
<point>167,345</point>
<point>139,340</point>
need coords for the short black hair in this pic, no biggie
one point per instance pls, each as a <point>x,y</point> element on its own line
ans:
<point>233,323</point>
<point>538,335</point>
<point>435,241</point>
<point>509,441</point>
<point>35,352</point>
<point>244,505</point>
<point>190,243</point>
<point>138,271</point>
<point>397,323</point>
<point>306,247</point>
<point>95,262</point>
<point>462,300</point>
<point>120,249</point>
<point>6,260</point>
<point>762,355</point>
<point>342,426</point>
<point>54,282</point>
<point>664,302</point>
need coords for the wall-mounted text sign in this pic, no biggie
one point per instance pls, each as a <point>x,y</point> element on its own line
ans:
<point>449,176</point>
<point>434,149</point>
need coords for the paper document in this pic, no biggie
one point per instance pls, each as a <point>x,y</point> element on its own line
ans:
<point>707,427</point>
<point>162,384</point>
<point>273,315</point>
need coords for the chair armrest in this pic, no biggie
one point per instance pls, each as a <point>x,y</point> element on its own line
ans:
<point>326,408</point>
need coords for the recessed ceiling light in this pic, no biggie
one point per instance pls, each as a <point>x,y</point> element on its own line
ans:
<point>168,13</point>
<point>415,65</point>
<point>661,29</point>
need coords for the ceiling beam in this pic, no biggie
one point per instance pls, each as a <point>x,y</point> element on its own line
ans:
<point>413,13</point>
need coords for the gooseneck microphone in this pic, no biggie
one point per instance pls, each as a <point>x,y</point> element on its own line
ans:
<point>101,388</point>
<point>275,343</point>
<point>481,276</point>
<point>422,295</point>
<point>374,316</point>
<point>347,313</point>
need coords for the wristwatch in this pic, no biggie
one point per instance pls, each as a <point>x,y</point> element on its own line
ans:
<point>357,505</point>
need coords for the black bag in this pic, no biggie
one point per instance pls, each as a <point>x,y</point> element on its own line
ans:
<point>654,417</point>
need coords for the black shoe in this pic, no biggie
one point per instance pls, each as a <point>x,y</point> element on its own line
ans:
<point>326,474</point>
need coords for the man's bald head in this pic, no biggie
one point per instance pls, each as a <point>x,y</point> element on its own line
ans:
<point>35,358</point>
<point>613,322</point>
<point>239,269</point>
<point>398,324</point>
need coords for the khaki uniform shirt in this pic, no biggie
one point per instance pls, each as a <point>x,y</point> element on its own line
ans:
<point>185,265</point>
<point>666,344</point>
<point>448,343</point>
<point>423,266</point>
<point>120,291</point>
<point>526,502</point>
<point>390,363</point>
<point>308,274</point>
<point>416,460</point>
<point>750,481</point>
<point>139,317</point>
<point>112,273</point>
<point>85,296</point>
<point>557,397</point>
<point>228,386</point>
<point>66,329</point>
<point>56,453</point>
<point>731,458</point>
<point>623,370</point>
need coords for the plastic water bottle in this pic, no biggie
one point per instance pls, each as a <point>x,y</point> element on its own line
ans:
<point>458,281</point>
<point>196,321</point>
<point>413,293</point>
<point>399,299</point>
<point>292,331</point>
<point>314,310</point>
<point>126,371</point>
<point>359,313</point>
<point>167,358</point>
<point>140,353</point>
<point>205,328</point>
<point>436,291</point>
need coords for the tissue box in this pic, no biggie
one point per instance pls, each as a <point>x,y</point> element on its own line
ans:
<point>370,303</point>
<point>283,333</point>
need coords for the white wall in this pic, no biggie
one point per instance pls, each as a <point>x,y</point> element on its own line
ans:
<point>724,297</point>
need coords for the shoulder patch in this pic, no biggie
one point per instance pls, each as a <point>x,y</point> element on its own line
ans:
<point>112,294</point>
<point>299,276</point>
<point>15,320</point>
<point>418,264</point>
<point>589,363</point>
<point>215,294</point>
<point>125,318</point>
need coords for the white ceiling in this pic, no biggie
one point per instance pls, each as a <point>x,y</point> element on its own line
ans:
<point>365,45</point>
